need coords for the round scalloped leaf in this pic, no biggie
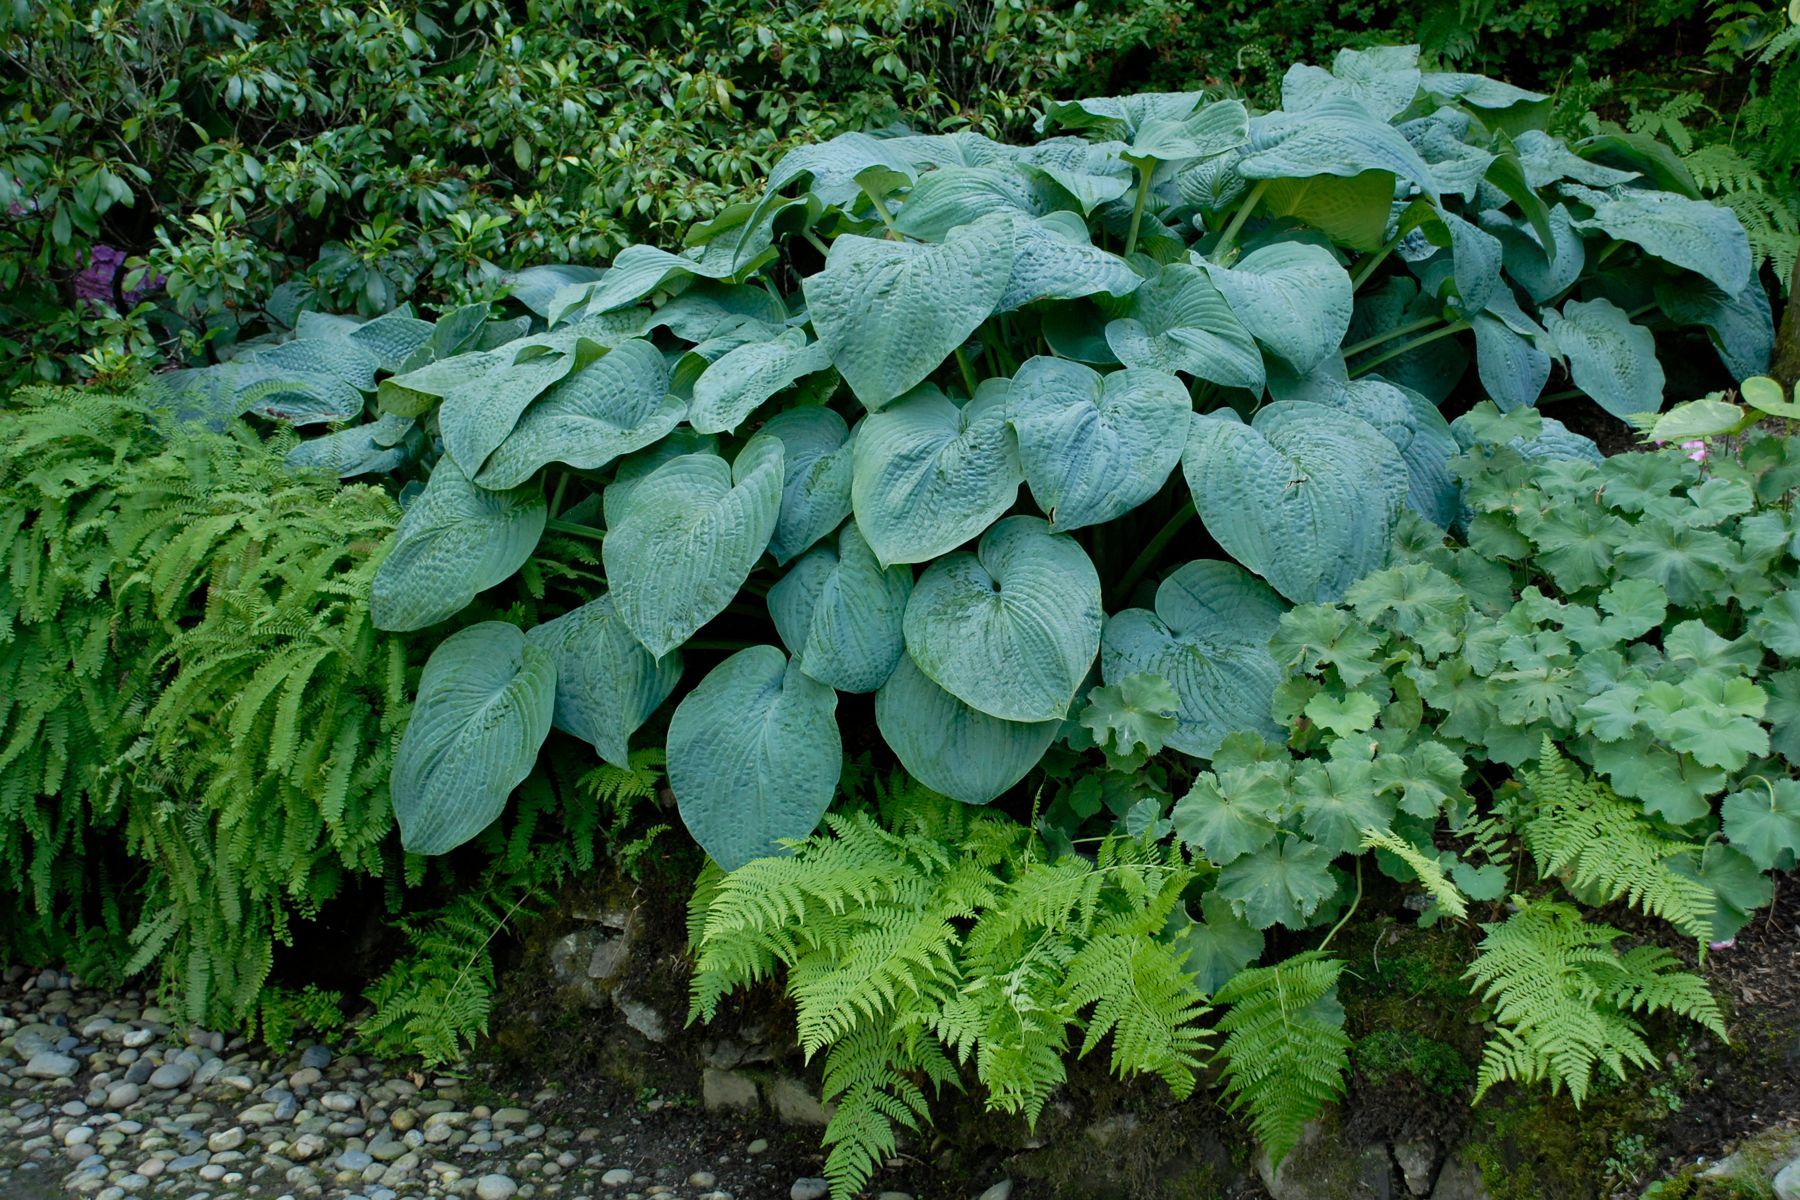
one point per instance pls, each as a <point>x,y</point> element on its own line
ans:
<point>686,538</point>
<point>815,488</point>
<point>744,379</point>
<point>1610,358</point>
<point>609,408</point>
<point>1209,637</point>
<point>952,748</point>
<point>1012,629</point>
<point>754,756</point>
<point>1180,321</point>
<point>1763,821</point>
<point>484,709</point>
<point>1306,496</point>
<point>927,476</point>
<point>839,614</point>
<point>607,685</point>
<point>455,541</point>
<point>889,313</point>
<point>1095,446</point>
<point>1293,297</point>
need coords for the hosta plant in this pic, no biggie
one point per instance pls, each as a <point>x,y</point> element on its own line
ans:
<point>931,420</point>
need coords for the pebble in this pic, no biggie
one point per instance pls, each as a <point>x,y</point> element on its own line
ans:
<point>48,1064</point>
<point>316,1057</point>
<point>617,1177</point>
<point>122,1095</point>
<point>1000,1191</point>
<point>702,1179</point>
<point>809,1189</point>
<point>170,1075</point>
<point>495,1187</point>
<point>757,1147</point>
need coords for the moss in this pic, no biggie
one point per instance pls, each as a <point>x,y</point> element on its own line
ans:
<point>1403,1057</point>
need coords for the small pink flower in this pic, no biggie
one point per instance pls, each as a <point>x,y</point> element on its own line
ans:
<point>1696,450</point>
<point>1727,944</point>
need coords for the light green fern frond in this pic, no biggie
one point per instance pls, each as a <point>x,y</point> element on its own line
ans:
<point>1431,876</point>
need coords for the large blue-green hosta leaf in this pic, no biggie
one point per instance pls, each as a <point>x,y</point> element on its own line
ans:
<point>1383,79</point>
<point>685,538</point>
<point>889,313</point>
<point>1513,369</point>
<point>928,476</point>
<point>1012,629</point>
<point>1336,136</point>
<point>635,273</point>
<point>754,755</point>
<point>606,683</point>
<point>1293,297</point>
<point>605,410</point>
<point>1705,238</point>
<point>1180,321</point>
<point>840,614</point>
<point>1610,358</point>
<point>1544,276</point>
<point>337,357</point>
<point>1306,497</point>
<point>1209,637</point>
<point>815,488</point>
<point>746,378</point>
<point>1352,212</point>
<point>455,541</point>
<point>709,309</point>
<point>1095,446</point>
<point>385,445</point>
<point>1419,431</point>
<point>476,415</point>
<point>952,748</point>
<point>1120,116</point>
<point>484,708</point>
<point>950,197</point>
<point>1742,327</point>
<point>1053,259</point>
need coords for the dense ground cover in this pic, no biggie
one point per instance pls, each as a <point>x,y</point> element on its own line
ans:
<point>1132,539</point>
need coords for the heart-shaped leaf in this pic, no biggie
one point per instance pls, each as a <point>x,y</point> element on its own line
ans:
<point>1383,79</point>
<point>1336,136</point>
<point>928,476</point>
<point>1293,297</point>
<point>607,409</point>
<point>1209,637</point>
<point>1306,496</point>
<point>889,313</point>
<point>1421,435</point>
<point>606,683</point>
<point>455,541</point>
<point>754,756</point>
<point>686,538</point>
<point>1179,321</point>
<point>1703,237</point>
<point>1053,259</point>
<point>1610,358</point>
<point>484,709</point>
<point>745,378</point>
<point>1012,629</point>
<point>839,614</point>
<point>476,416</point>
<point>951,748</point>
<point>815,488</point>
<point>1095,446</point>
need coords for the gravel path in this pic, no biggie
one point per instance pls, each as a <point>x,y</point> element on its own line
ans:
<point>108,1097</point>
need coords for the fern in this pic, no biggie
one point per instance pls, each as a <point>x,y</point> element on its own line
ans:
<point>925,937</point>
<point>1605,850</point>
<point>1563,999</point>
<point>1431,876</point>
<point>1285,1049</point>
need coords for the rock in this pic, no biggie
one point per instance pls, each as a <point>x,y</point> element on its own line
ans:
<point>226,1139</point>
<point>1787,1182</point>
<point>355,1160</point>
<point>137,1039</point>
<point>643,1018</point>
<point>794,1102</point>
<point>305,1077</point>
<point>1417,1160</point>
<point>306,1147</point>
<point>1324,1167</point>
<point>702,1179</point>
<point>1000,1191</point>
<point>342,1102</point>
<point>617,1177</point>
<point>170,1075</point>
<point>122,1095</point>
<point>317,1057</point>
<point>510,1116</point>
<point>140,1071</point>
<point>495,1187</point>
<point>727,1090</point>
<point>608,959</point>
<point>48,1064</point>
<point>1460,1179</point>
<point>759,1146</point>
<point>894,1196</point>
<point>809,1189</point>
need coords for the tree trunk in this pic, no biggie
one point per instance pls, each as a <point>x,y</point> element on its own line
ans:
<point>1786,365</point>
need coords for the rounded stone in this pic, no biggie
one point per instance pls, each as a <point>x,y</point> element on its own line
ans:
<point>617,1177</point>
<point>702,1179</point>
<point>226,1139</point>
<point>809,1189</point>
<point>122,1095</point>
<point>495,1187</point>
<point>170,1075</point>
